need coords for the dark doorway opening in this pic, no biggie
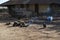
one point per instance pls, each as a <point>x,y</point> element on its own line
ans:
<point>37,9</point>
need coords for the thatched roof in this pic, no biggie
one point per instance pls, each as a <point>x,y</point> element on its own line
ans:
<point>31,2</point>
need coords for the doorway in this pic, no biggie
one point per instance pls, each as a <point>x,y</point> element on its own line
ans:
<point>37,9</point>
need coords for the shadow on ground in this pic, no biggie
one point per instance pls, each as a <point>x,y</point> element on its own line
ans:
<point>55,27</point>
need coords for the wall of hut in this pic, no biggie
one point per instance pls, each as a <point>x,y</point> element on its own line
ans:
<point>43,8</point>
<point>56,9</point>
<point>22,10</point>
<point>29,10</point>
<point>53,10</point>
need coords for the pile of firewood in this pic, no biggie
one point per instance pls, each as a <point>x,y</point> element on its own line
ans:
<point>18,23</point>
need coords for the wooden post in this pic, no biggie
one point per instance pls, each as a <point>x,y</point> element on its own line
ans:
<point>9,8</point>
<point>11,12</point>
<point>37,9</point>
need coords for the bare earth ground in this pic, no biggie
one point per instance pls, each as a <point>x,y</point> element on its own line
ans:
<point>33,32</point>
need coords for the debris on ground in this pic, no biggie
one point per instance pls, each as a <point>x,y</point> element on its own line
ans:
<point>8,23</point>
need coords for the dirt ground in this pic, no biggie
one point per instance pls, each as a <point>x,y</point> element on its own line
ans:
<point>32,32</point>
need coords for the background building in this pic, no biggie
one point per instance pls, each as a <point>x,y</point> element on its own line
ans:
<point>33,7</point>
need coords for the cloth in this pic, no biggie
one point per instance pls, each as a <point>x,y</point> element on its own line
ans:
<point>50,18</point>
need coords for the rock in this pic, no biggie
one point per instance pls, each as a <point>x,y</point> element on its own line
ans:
<point>24,25</point>
<point>8,23</point>
<point>44,25</point>
<point>16,23</point>
<point>21,24</point>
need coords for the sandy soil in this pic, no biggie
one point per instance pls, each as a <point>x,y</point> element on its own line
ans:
<point>33,32</point>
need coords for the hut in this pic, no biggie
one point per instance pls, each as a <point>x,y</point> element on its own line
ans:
<point>33,7</point>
